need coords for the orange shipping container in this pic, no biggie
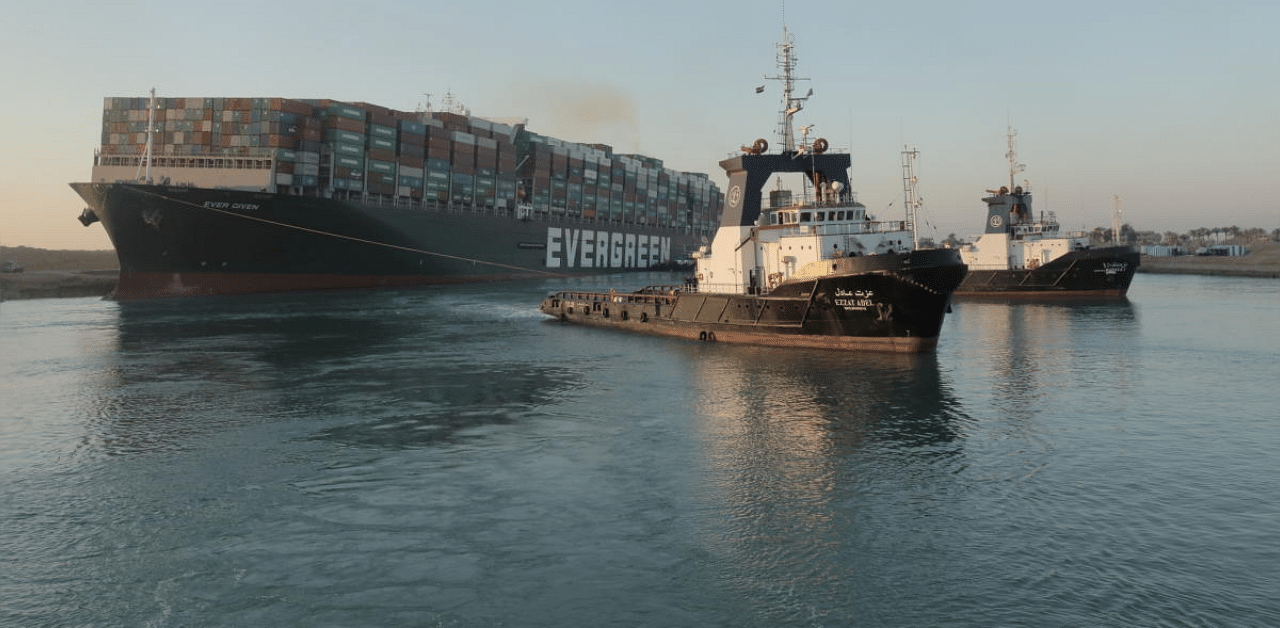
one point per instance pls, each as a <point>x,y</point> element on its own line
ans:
<point>344,124</point>
<point>381,154</point>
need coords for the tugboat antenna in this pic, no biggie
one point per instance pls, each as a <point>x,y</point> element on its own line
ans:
<point>911,196</point>
<point>1116,217</point>
<point>1012,155</point>
<point>791,104</point>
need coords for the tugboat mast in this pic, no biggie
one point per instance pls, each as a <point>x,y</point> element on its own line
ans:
<point>1012,156</point>
<point>910,195</point>
<point>791,105</point>
<point>1116,218</point>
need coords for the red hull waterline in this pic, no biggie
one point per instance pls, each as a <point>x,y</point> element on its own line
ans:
<point>138,285</point>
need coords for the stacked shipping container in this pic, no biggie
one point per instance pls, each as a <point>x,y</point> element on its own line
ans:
<point>364,151</point>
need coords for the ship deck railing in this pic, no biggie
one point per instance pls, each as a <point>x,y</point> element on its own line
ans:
<point>842,228</point>
<point>540,214</point>
<point>1022,230</point>
<point>662,295</point>
<point>725,288</point>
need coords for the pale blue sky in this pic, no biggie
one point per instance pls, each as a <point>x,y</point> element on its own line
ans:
<point>1173,106</point>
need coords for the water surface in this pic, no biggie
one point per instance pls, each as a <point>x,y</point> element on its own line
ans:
<point>448,457</point>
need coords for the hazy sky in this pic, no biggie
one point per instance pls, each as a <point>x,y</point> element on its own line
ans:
<point>1174,105</point>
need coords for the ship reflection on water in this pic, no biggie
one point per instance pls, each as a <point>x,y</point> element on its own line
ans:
<point>1033,349</point>
<point>379,369</point>
<point>807,457</point>
<point>821,401</point>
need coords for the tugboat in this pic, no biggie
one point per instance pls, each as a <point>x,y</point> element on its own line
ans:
<point>815,271</point>
<point>1022,254</point>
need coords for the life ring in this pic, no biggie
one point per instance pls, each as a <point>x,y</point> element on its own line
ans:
<point>820,146</point>
<point>644,317</point>
<point>759,146</point>
<point>702,336</point>
<point>711,336</point>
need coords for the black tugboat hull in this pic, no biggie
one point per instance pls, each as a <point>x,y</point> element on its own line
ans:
<point>1104,272</point>
<point>884,303</point>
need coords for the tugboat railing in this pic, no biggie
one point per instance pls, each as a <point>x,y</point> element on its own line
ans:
<point>839,229</point>
<point>666,297</point>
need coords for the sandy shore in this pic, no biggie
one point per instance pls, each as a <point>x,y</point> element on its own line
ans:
<point>50,284</point>
<point>1263,260</point>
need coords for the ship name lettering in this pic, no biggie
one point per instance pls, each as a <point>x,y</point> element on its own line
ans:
<point>587,248</point>
<point>861,294</point>
<point>225,205</point>
<point>864,303</point>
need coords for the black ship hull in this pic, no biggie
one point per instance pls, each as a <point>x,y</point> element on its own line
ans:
<point>182,241</point>
<point>890,303</point>
<point>1103,272</point>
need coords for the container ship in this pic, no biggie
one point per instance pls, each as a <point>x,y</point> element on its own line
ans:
<point>1024,255</point>
<point>208,196</point>
<point>814,270</point>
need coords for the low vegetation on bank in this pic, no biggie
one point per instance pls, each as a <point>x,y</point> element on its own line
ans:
<point>33,259</point>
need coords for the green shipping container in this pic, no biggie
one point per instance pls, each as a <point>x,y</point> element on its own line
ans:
<point>348,161</point>
<point>349,137</point>
<point>345,111</point>
<point>342,148</point>
<point>377,130</point>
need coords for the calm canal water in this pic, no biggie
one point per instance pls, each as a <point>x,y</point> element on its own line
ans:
<point>447,457</point>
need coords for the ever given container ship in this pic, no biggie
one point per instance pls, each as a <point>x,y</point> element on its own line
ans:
<point>206,196</point>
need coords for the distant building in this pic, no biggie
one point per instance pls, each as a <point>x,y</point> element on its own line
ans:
<point>1223,250</point>
<point>1162,250</point>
